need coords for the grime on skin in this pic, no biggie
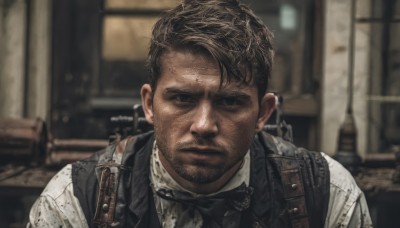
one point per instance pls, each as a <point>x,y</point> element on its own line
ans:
<point>203,129</point>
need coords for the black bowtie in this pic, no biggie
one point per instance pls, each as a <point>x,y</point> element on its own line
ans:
<point>212,208</point>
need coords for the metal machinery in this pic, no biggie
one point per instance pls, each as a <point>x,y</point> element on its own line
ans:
<point>29,158</point>
<point>379,174</point>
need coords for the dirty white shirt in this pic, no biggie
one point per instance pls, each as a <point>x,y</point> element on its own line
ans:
<point>58,207</point>
<point>168,210</point>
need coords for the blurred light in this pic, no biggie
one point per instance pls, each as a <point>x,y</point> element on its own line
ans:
<point>288,17</point>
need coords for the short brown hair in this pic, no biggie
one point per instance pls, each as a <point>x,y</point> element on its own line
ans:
<point>227,30</point>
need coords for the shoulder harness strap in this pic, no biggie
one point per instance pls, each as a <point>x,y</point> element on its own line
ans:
<point>293,191</point>
<point>108,171</point>
<point>305,183</point>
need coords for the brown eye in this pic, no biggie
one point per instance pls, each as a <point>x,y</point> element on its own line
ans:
<point>183,99</point>
<point>228,101</point>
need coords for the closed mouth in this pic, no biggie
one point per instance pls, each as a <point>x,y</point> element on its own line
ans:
<point>203,151</point>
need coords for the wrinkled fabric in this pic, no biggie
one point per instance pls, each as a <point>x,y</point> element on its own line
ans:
<point>57,206</point>
<point>347,204</point>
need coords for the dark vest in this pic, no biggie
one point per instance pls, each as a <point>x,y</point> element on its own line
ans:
<point>290,185</point>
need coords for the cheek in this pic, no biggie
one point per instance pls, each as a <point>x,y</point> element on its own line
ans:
<point>240,134</point>
<point>242,124</point>
<point>168,129</point>
<point>170,123</point>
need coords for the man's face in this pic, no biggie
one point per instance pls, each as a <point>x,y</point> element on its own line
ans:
<point>201,129</point>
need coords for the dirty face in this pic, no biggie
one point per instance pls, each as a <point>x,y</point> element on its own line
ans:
<point>202,130</point>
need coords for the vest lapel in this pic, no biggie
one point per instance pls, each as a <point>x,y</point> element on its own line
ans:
<point>268,204</point>
<point>142,202</point>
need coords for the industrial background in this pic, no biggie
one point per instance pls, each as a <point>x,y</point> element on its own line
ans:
<point>68,66</point>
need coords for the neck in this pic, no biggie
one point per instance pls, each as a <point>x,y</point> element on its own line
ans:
<point>207,188</point>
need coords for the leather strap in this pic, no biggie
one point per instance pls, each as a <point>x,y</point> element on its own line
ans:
<point>109,175</point>
<point>293,191</point>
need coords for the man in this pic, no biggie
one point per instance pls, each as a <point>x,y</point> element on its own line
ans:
<point>208,162</point>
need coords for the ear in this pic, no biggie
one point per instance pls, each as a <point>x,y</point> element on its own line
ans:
<point>267,107</point>
<point>147,102</point>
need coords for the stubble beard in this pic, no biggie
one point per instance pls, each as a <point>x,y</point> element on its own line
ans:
<point>196,172</point>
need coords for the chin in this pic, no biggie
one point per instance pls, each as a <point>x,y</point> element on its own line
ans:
<point>200,175</point>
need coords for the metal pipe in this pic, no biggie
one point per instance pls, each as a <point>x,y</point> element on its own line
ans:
<point>347,140</point>
<point>351,58</point>
<point>28,7</point>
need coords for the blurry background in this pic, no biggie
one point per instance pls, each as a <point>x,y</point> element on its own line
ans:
<point>76,63</point>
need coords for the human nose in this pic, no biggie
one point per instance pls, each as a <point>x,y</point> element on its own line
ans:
<point>204,123</point>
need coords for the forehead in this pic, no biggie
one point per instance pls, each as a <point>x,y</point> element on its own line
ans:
<point>183,59</point>
<point>185,64</point>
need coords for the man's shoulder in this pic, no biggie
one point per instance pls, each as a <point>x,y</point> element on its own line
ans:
<point>287,156</point>
<point>86,172</point>
<point>340,177</point>
<point>59,184</point>
<point>347,205</point>
<point>101,170</point>
<point>303,174</point>
<point>117,150</point>
<point>57,206</point>
<point>277,146</point>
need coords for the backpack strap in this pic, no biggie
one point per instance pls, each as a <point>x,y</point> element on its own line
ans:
<point>108,172</point>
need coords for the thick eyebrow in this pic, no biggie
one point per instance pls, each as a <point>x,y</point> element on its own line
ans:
<point>174,90</point>
<point>199,93</point>
<point>236,94</point>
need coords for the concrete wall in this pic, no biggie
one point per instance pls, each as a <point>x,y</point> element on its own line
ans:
<point>39,60</point>
<point>335,79</point>
<point>14,86</point>
<point>12,48</point>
